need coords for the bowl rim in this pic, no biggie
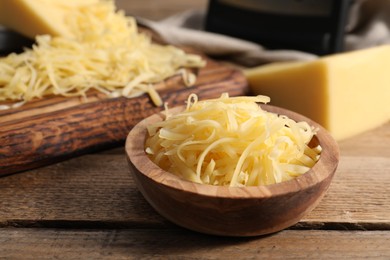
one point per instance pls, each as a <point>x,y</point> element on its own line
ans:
<point>323,169</point>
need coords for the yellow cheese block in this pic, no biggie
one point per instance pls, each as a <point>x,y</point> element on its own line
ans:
<point>37,17</point>
<point>347,93</point>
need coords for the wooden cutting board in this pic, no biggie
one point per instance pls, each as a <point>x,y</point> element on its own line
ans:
<point>53,129</point>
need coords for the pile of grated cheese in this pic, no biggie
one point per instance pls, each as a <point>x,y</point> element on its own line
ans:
<point>231,141</point>
<point>107,53</point>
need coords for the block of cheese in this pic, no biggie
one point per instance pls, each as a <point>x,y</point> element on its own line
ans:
<point>347,93</point>
<point>37,17</point>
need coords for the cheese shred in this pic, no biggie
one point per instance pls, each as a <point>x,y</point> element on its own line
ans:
<point>231,141</point>
<point>107,54</point>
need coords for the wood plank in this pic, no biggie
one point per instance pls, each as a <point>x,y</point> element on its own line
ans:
<point>375,142</point>
<point>359,196</point>
<point>93,190</point>
<point>182,244</point>
<point>97,191</point>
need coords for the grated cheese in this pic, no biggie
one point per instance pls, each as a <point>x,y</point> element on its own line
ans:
<point>106,53</point>
<point>231,141</point>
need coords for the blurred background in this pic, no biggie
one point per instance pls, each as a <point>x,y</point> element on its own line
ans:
<point>156,10</point>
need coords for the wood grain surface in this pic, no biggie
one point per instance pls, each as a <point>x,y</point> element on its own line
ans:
<point>52,129</point>
<point>182,244</point>
<point>89,207</point>
<point>101,186</point>
<point>97,190</point>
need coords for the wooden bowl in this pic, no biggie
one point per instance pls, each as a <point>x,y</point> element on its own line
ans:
<point>231,211</point>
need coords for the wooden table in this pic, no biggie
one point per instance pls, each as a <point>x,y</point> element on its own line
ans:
<point>89,208</point>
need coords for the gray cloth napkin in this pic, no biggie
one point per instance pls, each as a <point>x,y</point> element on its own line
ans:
<point>368,25</point>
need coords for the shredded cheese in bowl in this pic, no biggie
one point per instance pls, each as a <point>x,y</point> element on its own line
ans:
<point>231,141</point>
<point>107,54</point>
